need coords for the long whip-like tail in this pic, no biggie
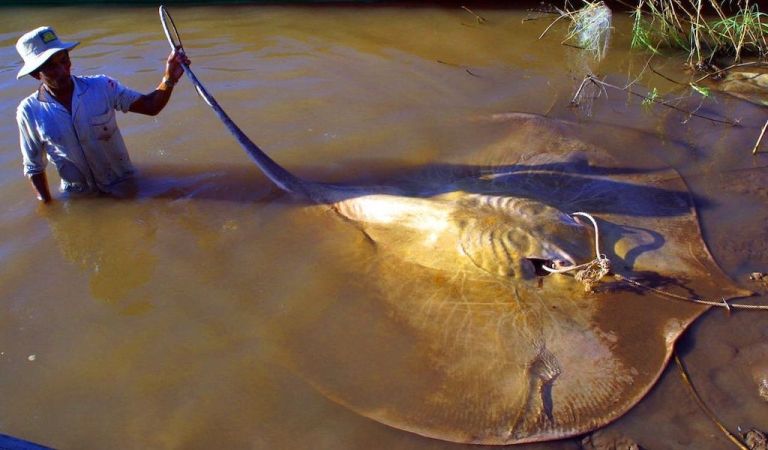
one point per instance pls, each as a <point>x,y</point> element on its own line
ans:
<point>281,177</point>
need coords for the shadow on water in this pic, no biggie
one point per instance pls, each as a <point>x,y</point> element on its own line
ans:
<point>569,186</point>
<point>117,252</point>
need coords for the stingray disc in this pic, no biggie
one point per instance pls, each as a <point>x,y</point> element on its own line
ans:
<point>466,356</point>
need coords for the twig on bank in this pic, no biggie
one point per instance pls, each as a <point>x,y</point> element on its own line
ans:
<point>593,79</point>
<point>759,139</point>
<point>479,19</point>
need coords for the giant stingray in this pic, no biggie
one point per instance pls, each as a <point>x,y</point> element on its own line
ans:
<point>476,341</point>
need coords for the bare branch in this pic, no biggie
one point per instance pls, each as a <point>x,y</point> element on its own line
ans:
<point>479,19</point>
<point>593,79</point>
<point>762,133</point>
<point>733,66</point>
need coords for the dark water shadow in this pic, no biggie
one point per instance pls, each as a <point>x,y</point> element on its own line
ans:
<point>569,186</point>
<point>649,280</point>
<point>634,253</point>
<point>226,183</point>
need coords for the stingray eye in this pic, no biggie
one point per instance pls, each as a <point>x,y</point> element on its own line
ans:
<point>538,265</point>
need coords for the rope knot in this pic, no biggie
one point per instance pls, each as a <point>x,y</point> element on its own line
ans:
<point>590,273</point>
<point>594,271</point>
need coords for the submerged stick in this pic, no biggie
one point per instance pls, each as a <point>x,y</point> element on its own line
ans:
<point>479,19</point>
<point>593,79</point>
<point>733,66</point>
<point>466,69</point>
<point>703,406</point>
<point>666,77</point>
<point>760,138</point>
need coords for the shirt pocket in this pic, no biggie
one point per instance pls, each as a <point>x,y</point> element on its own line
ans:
<point>103,126</point>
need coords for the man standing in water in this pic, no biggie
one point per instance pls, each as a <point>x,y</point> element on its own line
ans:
<point>72,118</point>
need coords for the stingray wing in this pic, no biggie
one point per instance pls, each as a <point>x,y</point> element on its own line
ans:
<point>468,357</point>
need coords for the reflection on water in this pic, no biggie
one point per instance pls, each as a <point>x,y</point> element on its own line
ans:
<point>117,257</point>
<point>161,320</point>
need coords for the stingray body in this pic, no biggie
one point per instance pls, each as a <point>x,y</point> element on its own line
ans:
<point>465,342</point>
<point>472,345</point>
<point>501,235</point>
<point>461,340</point>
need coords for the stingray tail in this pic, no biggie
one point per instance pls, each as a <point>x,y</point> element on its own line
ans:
<point>281,177</point>
<point>276,173</point>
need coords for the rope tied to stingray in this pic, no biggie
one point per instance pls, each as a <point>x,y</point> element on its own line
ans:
<point>589,273</point>
<point>592,272</point>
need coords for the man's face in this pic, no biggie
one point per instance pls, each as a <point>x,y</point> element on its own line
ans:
<point>55,72</point>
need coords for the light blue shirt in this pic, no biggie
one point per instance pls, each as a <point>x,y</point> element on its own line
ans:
<point>85,146</point>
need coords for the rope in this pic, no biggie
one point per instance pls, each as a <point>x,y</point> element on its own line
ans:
<point>722,303</point>
<point>590,273</point>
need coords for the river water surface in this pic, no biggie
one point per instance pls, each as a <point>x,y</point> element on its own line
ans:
<point>158,321</point>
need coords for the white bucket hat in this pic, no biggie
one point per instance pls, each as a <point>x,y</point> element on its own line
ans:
<point>37,46</point>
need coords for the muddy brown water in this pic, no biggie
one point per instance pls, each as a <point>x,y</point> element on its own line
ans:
<point>158,321</point>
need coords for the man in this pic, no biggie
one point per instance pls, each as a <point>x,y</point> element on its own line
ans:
<point>72,118</point>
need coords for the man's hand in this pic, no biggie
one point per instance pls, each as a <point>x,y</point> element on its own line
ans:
<point>174,65</point>
<point>151,104</point>
<point>40,183</point>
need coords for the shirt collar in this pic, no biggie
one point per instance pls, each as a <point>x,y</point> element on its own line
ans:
<point>43,95</point>
<point>80,87</point>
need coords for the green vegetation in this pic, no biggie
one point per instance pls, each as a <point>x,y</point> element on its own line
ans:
<point>702,28</point>
<point>651,98</point>
<point>591,27</point>
<point>704,91</point>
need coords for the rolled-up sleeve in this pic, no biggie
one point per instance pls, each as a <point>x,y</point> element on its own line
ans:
<point>32,151</point>
<point>120,96</point>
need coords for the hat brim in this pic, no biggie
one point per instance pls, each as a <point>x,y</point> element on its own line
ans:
<point>31,66</point>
